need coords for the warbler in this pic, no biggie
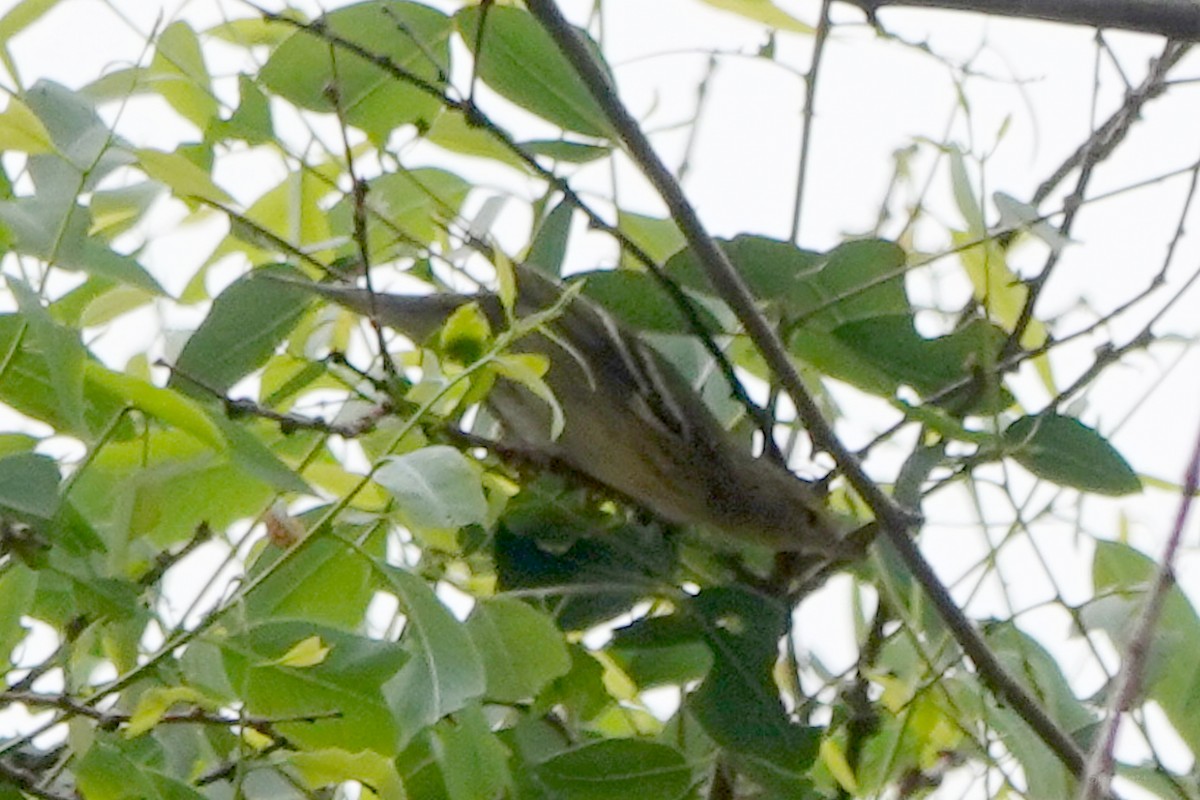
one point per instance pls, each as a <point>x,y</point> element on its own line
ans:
<point>631,421</point>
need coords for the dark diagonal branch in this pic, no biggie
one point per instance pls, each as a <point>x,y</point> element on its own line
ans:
<point>895,521</point>
<point>1175,19</point>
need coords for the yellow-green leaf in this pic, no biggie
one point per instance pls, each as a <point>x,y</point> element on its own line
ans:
<point>763,11</point>
<point>506,279</point>
<point>306,653</point>
<point>156,702</point>
<point>181,76</point>
<point>835,761</point>
<point>22,131</point>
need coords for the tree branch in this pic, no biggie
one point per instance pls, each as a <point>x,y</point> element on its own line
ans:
<point>895,521</point>
<point>1175,19</point>
<point>720,271</point>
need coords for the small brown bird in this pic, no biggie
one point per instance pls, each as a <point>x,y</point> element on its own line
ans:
<point>632,423</point>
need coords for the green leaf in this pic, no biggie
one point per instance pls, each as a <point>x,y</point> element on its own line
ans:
<point>474,763</point>
<point>20,17</point>
<point>87,151</point>
<point>617,768</point>
<point>859,279</point>
<point>250,446</point>
<point>1065,451</point>
<point>640,301</point>
<point>453,132</point>
<point>184,178</point>
<point>11,443</point>
<point>585,580</point>
<point>164,404</point>
<point>251,121</point>
<point>319,769</point>
<point>62,348</point>
<point>17,586</point>
<point>738,704</point>
<point>518,59</point>
<point>29,484</point>
<point>26,385</point>
<point>116,210</point>
<point>466,334</point>
<point>162,486</point>
<point>522,650</point>
<point>327,582</point>
<point>412,36</point>
<point>107,772</point>
<point>348,682</point>
<point>181,76</point>
<point>157,701</point>
<point>892,345</point>
<point>291,211</point>
<point>40,230</point>
<point>1031,663</point>
<point>567,152</point>
<point>406,208</point>
<point>965,195</point>
<point>252,31</point>
<point>435,487</point>
<point>247,322</point>
<point>549,245</point>
<point>661,651</point>
<point>843,360</point>
<point>763,11</point>
<point>306,653</point>
<point>445,672</point>
<point>659,238</point>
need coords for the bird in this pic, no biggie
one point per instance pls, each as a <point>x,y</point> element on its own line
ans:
<point>631,422</point>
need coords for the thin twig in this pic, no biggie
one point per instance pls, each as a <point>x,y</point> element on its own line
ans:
<point>359,190</point>
<point>1107,136</point>
<point>810,97</point>
<point>1094,784</point>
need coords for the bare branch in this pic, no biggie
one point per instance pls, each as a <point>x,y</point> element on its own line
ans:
<point>1175,19</point>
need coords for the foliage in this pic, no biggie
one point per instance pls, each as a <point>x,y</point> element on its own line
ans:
<point>394,606</point>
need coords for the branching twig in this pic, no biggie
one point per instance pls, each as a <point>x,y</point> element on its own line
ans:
<point>287,422</point>
<point>111,720</point>
<point>1113,131</point>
